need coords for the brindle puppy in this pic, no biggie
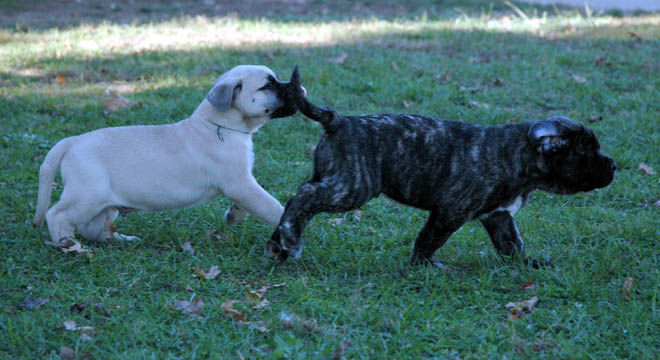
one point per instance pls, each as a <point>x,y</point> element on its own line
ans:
<point>457,171</point>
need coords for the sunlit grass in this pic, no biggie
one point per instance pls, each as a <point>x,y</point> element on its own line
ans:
<point>353,281</point>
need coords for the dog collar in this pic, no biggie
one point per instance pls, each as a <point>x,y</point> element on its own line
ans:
<point>222,139</point>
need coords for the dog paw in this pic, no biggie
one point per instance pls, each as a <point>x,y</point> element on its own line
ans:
<point>234,215</point>
<point>424,261</point>
<point>275,251</point>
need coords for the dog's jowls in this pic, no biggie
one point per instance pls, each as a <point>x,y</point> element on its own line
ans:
<point>116,170</point>
<point>457,171</point>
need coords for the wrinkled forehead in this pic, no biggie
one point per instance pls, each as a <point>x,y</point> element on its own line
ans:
<point>249,74</point>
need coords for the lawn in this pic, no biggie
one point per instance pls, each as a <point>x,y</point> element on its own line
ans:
<point>352,294</point>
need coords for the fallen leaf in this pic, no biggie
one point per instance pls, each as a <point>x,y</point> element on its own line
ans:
<point>209,233</point>
<point>394,66</point>
<point>529,285</point>
<point>188,247</point>
<point>293,321</point>
<point>579,79</point>
<point>67,353</point>
<point>192,309</point>
<point>444,77</point>
<point>627,286</point>
<point>76,247</point>
<point>602,60</point>
<point>336,221</point>
<point>519,309</point>
<point>115,102</point>
<point>477,104</point>
<point>472,90</point>
<point>342,349</point>
<point>60,80</point>
<point>311,149</point>
<point>657,203</point>
<point>406,104</point>
<point>259,326</point>
<point>338,60</point>
<point>357,215</point>
<point>594,118</point>
<point>258,297</point>
<point>514,119</point>
<point>79,307</point>
<point>213,272</point>
<point>646,169</point>
<point>498,82</point>
<point>228,309</point>
<point>634,35</point>
<point>33,304</point>
<point>69,325</point>
<point>240,356</point>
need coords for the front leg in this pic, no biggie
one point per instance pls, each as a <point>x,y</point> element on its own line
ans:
<point>311,199</point>
<point>248,196</point>
<point>433,235</point>
<point>504,234</point>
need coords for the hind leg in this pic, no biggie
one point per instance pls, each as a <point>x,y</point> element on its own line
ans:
<point>61,229</point>
<point>95,229</point>
<point>311,199</point>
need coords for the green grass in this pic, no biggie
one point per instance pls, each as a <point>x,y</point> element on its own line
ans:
<point>352,284</point>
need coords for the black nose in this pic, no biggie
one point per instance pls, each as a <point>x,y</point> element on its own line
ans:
<point>613,165</point>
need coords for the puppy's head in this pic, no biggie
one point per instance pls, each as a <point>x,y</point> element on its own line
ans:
<point>253,90</point>
<point>571,153</point>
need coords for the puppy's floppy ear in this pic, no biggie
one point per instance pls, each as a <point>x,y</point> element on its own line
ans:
<point>553,134</point>
<point>223,92</point>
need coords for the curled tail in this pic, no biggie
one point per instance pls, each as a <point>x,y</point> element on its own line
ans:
<point>47,173</point>
<point>329,118</point>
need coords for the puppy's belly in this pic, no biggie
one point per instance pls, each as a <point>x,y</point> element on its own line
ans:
<point>158,198</point>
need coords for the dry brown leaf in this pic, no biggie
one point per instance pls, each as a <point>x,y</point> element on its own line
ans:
<point>339,60</point>
<point>209,233</point>
<point>634,35</point>
<point>646,169</point>
<point>188,247</point>
<point>33,304</point>
<point>228,309</point>
<point>342,349</point>
<point>519,309</point>
<point>657,203</point>
<point>69,325</point>
<point>357,215</point>
<point>76,247</point>
<point>406,104</point>
<point>67,353</point>
<point>594,118</point>
<point>394,66</point>
<point>60,80</point>
<point>444,77</point>
<point>627,286</point>
<point>311,149</point>
<point>602,60</point>
<point>257,297</point>
<point>293,321</point>
<point>579,79</point>
<point>213,272</point>
<point>192,309</point>
<point>477,104</point>
<point>514,119</point>
<point>472,90</point>
<point>529,285</point>
<point>115,102</point>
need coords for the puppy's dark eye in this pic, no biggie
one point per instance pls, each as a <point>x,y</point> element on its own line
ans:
<point>270,85</point>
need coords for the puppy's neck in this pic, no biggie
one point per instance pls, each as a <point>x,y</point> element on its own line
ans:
<point>208,116</point>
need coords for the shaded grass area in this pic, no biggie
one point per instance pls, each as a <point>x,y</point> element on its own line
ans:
<point>352,289</point>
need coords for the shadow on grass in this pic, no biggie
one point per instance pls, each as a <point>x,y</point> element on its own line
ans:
<point>32,14</point>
